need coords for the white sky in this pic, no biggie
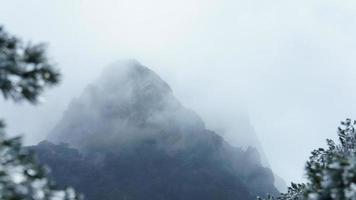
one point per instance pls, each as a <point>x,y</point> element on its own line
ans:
<point>290,62</point>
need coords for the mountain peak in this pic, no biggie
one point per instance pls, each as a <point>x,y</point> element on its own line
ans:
<point>127,102</point>
<point>126,73</point>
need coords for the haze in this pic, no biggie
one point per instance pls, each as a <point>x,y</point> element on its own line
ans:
<point>288,64</point>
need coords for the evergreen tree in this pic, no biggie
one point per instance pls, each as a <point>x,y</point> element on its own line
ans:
<point>25,72</point>
<point>331,172</point>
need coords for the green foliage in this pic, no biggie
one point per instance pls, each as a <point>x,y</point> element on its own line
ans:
<point>24,73</point>
<point>22,178</point>
<point>331,172</point>
<point>25,70</point>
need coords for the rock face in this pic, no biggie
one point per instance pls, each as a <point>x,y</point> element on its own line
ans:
<point>130,138</point>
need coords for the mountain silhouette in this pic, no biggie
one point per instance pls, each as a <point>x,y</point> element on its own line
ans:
<point>128,137</point>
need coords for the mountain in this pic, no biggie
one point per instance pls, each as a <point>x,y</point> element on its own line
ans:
<point>129,103</point>
<point>128,137</point>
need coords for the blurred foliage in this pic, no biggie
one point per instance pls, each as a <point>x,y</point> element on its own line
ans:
<point>331,172</point>
<point>22,178</point>
<point>24,73</point>
<point>25,70</point>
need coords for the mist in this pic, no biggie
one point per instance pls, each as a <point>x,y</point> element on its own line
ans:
<point>285,66</point>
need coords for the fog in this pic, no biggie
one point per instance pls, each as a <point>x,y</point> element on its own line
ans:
<point>127,105</point>
<point>287,66</point>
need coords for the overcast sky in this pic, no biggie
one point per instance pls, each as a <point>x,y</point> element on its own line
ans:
<point>289,63</point>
